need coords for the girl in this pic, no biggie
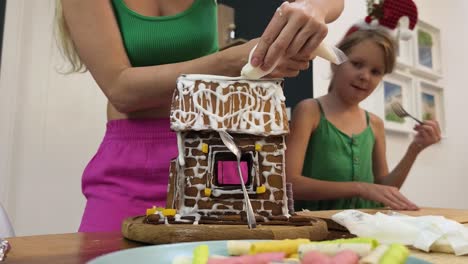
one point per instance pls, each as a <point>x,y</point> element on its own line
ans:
<point>336,150</point>
<point>135,50</point>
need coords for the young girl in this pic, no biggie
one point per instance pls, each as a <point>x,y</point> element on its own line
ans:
<point>336,150</point>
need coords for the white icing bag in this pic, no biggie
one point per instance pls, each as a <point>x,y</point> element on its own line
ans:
<point>325,51</point>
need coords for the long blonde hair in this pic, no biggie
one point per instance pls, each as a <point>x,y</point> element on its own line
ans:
<point>65,43</point>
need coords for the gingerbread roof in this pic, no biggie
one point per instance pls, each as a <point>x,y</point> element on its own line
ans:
<point>209,102</point>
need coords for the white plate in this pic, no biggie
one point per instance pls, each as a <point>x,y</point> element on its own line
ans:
<point>164,254</point>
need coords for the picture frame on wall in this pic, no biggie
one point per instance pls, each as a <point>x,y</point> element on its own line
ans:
<point>431,104</point>
<point>405,53</point>
<point>427,51</point>
<point>397,87</point>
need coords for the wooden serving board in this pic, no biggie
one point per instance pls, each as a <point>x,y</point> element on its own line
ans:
<point>458,215</point>
<point>134,229</point>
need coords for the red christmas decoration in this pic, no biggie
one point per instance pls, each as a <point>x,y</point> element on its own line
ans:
<point>396,16</point>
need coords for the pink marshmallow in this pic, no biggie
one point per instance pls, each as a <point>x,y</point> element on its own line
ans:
<point>346,257</point>
<point>262,258</point>
<point>315,257</point>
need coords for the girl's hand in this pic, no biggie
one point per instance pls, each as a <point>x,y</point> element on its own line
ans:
<point>427,134</point>
<point>388,195</point>
<point>295,31</point>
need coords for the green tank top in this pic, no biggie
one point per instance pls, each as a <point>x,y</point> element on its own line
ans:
<point>332,155</point>
<point>168,39</point>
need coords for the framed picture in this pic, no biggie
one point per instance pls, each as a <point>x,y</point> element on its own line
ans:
<point>397,88</point>
<point>431,103</point>
<point>427,53</point>
<point>405,55</point>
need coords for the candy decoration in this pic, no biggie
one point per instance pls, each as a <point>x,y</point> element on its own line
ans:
<point>313,257</point>
<point>397,253</point>
<point>346,257</point>
<point>151,211</point>
<point>201,254</point>
<point>169,212</point>
<point>205,148</point>
<point>258,147</point>
<point>343,257</point>
<point>362,246</point>
<point>238,247</point>
<point>258,258</point>
<point>207,192</point>
<point>261,189</point>
<point>288,246</point>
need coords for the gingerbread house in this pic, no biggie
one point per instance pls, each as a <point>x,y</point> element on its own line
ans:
<point>203,180</point>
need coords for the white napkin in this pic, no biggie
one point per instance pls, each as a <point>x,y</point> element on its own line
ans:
<point>428,233</point>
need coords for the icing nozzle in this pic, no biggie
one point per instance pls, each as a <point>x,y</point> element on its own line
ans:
<point>330,53</point>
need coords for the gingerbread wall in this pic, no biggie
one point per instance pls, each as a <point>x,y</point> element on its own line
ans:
<point>187,186</point>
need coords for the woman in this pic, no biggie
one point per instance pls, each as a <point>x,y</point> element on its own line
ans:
<point>135,50</point>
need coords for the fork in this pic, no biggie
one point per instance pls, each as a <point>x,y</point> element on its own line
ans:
<point>231,145</point>
<point>401,112</point>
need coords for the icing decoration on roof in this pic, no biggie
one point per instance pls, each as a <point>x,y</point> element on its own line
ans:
<point>232,104</point>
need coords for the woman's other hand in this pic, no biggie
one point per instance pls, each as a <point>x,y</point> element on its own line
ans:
<point>427,134</point>
<point>388,195</point>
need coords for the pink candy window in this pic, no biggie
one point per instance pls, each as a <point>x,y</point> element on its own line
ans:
<point>227,172</point>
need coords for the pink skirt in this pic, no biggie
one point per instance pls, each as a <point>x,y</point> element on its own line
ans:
<point>128,174</point>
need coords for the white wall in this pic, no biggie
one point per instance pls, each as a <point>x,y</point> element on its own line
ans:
<point>51,125</point>
<point>438,178</point>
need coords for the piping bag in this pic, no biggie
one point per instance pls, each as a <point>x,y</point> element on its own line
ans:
<point>325,51</point>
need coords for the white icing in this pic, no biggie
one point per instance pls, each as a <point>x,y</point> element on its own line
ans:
<point>210,103</point>
<point>249,71</point>
<point>180,145</point>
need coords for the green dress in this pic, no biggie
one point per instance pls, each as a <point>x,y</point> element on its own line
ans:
<point>332,155</point>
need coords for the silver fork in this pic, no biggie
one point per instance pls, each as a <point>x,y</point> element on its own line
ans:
<point>401,112</point>
<point>231,145</point>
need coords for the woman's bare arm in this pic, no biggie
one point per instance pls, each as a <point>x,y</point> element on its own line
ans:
<point>96,36</point>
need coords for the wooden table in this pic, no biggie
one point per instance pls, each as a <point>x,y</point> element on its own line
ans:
<point>82,247</point>
<point>65,248</point>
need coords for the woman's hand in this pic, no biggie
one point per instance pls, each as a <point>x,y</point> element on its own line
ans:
<point>388,195</point>
<point>285,67</point>
<point>427,134</point>
<point>295,31</point>
<point>289,68</point>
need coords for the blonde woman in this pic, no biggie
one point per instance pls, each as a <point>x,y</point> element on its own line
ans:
<point>135,50</point>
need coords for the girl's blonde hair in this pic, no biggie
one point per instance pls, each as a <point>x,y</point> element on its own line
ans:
<point>64,41</point>
<point>380,37</point>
